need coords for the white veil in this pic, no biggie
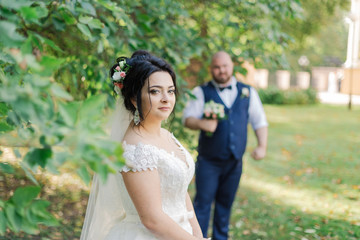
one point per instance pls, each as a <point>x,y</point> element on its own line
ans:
<point>105,207</point>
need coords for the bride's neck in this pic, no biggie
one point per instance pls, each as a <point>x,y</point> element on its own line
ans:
<point>150,128</point>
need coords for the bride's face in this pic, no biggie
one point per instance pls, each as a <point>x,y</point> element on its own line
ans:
<point>158,96</point>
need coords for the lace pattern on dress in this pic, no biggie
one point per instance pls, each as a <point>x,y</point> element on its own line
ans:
<point>138,158</point>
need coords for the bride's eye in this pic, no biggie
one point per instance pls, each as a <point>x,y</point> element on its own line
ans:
<point>172,91</point>
<point>154,91</point>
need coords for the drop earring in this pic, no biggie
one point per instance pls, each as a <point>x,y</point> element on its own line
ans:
<point>136,117</point>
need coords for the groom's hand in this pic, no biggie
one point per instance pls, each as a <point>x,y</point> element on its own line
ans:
<point>208,125</point>
<point>258,153</point>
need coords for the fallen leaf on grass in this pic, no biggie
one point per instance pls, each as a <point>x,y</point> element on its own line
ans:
<point>336,181</point>
<point>310,231</point>
<point>286,153</point>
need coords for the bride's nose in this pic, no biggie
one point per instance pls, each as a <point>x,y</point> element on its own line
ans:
<point>165,97</point>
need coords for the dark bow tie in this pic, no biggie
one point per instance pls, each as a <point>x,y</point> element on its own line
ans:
<point>227,87</point>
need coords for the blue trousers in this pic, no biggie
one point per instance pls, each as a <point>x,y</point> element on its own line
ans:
<point>216,181</point>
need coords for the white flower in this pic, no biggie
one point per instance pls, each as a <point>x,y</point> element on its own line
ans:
<point>116,76</point>
<point>245,92</point>
<point>122,63</point>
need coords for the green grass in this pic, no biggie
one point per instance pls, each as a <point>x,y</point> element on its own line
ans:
<point>308,186</point>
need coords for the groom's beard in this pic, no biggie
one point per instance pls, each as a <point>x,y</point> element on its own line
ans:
<point>224,78</point>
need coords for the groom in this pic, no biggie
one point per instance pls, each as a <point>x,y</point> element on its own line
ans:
<point>219,163</point>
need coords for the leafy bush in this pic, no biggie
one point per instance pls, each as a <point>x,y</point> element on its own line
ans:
<point>274,95</point>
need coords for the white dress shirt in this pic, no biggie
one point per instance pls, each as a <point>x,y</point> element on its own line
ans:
<point>257,117</point>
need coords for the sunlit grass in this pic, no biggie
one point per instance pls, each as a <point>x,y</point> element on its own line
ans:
<point>308,187</point>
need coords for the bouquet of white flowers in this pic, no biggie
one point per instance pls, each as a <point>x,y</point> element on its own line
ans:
<point>213,110</point>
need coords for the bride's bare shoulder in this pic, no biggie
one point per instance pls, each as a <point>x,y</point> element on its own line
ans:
<point>131,137</point>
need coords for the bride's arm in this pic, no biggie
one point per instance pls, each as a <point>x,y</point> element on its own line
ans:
<point>144,190</point>
<point>193,221</point>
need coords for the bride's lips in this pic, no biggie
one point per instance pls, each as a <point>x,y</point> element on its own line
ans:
<point>165,108</point>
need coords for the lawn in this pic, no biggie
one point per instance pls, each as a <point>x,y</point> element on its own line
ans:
<point>308,187</point>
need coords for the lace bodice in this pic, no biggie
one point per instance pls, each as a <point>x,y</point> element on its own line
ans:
<point>175,175</point>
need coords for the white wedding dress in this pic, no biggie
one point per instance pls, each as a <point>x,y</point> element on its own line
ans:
<point>175,176</point>
<point>108,222</point>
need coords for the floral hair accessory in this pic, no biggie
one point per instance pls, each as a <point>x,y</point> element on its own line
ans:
<point>119,75</point>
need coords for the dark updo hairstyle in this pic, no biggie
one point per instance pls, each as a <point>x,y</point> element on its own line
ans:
<point>142,65</point>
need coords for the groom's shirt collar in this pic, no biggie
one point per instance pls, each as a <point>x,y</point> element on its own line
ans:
<point>232,83</point>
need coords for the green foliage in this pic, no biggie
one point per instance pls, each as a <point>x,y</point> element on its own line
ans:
<point>295,96</point>
<point>321,34</point>
<point>23,212</point>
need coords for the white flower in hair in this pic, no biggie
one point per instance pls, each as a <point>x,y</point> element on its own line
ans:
<point>122,63</point>
<point>116,76</point>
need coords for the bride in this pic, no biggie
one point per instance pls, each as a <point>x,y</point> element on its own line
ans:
<point>148,198</point>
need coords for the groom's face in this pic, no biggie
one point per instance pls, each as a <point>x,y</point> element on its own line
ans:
<point>222,68</point>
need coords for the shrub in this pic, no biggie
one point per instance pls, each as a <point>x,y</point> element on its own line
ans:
<point>274,95</point>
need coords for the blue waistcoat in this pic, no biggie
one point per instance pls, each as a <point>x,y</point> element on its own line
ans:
<point>230,137</point>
